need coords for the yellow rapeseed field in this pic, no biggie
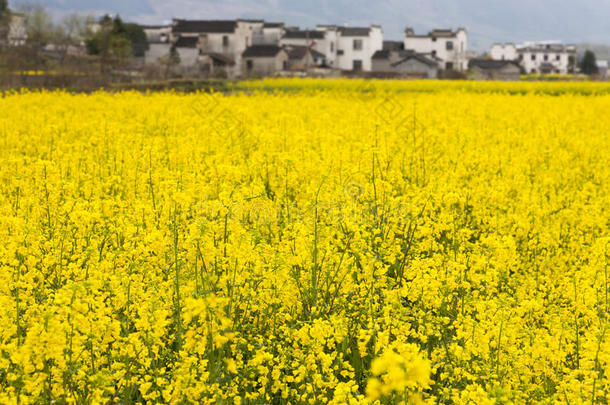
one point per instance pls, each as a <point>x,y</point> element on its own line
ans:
<point>307,242</point>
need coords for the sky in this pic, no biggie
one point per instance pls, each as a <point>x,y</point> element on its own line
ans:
<point>487,21</point>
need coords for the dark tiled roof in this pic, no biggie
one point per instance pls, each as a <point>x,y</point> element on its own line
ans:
<point>404,56</point>
<point>437,33</point>
<point>417,56</point>
<point>382,54</point>
<point>197,26</point>
<point>354,31</point>
<point>262,51</point>
<point>186,42</point>
<point>220,58</point>
<point>393,45</point>
<point>153,27</point>
<point>490,64</point>
<point>273,25</point>
<point>299,52</point>
<point>442,33</point>
<point>551,48</point>
<point>304,34</point>
<point>386,53</point>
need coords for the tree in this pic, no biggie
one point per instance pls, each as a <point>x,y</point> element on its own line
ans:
<point>588,64</point>
<point>110,42</point>
<point>3,8</point>
<point>5,20</point>
<point>72,31</point>
<point>38,24</point>
<point>135,33</point>
<point>571,64</point>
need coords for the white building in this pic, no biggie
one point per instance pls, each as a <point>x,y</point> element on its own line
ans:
<point>401,63</point>
<point>345,48</point>
<point>17,30</point>
<point>449,46</point>
<point>272,33</point>
<point>322,39</point>
<point>538,57</point>
<point>158,38</point>
<point>356,47</point>
<point>264,60</point>
<point>504,52</point>
<point>222,40</point>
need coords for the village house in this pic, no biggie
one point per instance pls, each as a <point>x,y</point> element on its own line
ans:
<point>489,69</point>
<point>17,30</point>
<point>264,60</point>
<point>303,58</point>
<point>272,33</point>
<point>226,38</point>
<point>403,63</point>
<point>209,46</point>
<point>322,41</point>
<point>538,57</point>
<point>158,39</point>
<point>393,45</point>
<point>345,48</point>
<point>506,51</point>
<point>356,47</point>
<point>187,49</point>
<point>450,47</point>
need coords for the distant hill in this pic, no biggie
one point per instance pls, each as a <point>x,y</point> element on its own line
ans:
<point>601,51</point>
<point>487,22</point>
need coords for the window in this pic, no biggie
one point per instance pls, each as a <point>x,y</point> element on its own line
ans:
<point>449,66</point>
<point>225,40</point>
<point>285,65</point>
<point>533,56</point>
<point>357,44</point>
<point>449,45</point>
<point>434,54</point>
<point>357,65</point>
<point>558,57</point>
<point>332,47</point>
<point>433,39</point>
<point>340,52</point>
<point>520,57</point>
<point>249,65</point>
<point>546,58</point>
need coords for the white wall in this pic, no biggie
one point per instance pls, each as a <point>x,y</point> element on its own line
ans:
<point>370,44</point>
<point>272,35</point>
<point>239,40</point>
<point>17,31</point>
<point>265,66</point>
<point>156,51</point>
<point>437,46</point>
<point>329,47</point>
<point>533,59</point>
<point>158,34</point>
<point>326,46</point>
<point>504,52</point>
<point>188,56</point>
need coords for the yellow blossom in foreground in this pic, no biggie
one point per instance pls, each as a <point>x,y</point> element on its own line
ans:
<point>307,242</point>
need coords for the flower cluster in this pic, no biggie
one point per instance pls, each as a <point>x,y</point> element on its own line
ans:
<point>307,242</point>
